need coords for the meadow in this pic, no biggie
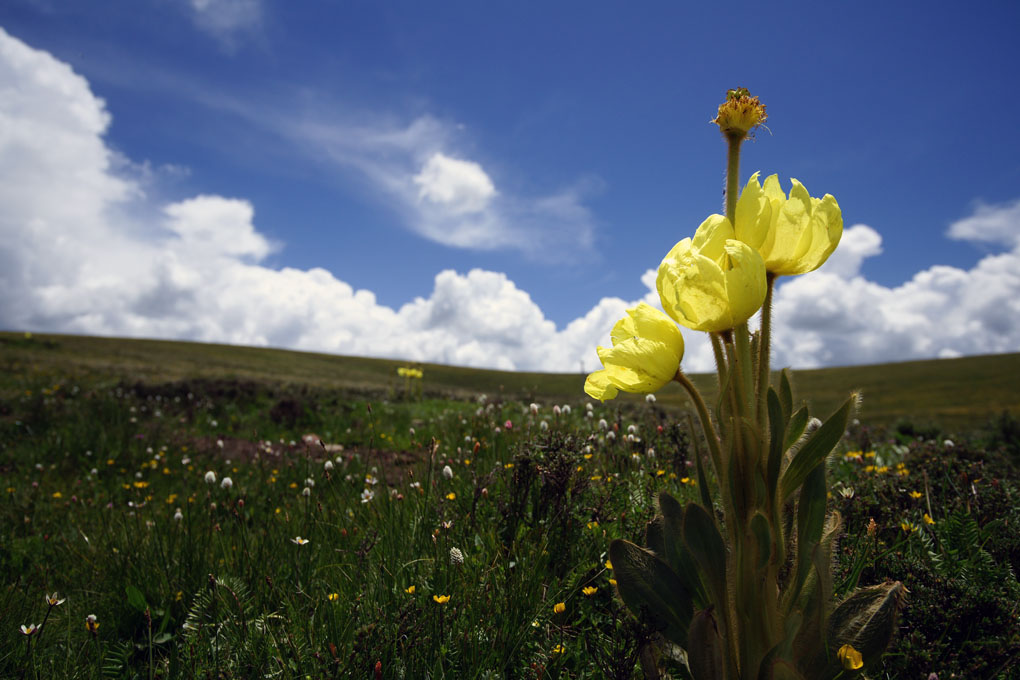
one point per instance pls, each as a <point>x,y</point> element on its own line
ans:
<point>229,512</point>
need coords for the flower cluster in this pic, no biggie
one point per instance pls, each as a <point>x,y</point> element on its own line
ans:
<point>717,280</point>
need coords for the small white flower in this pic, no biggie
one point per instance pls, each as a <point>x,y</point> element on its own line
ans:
<point>650,398</point>
<point>210,477</point>
<point>367,495</point>
<point>557,410</point>
<point>328,465</point>
<point>226,483</point>
<point>650,452</point>
<point>178,516</point>
<point>611,436</point>
<point>306,491</point>
<point>847,492</point>
<point>948,444</point>
<point>632,429</point>
<point>219,443</point>
<point>566,409</point>
<point>603,425</point>
<point>589,407</point>
<point>415,485</point>
<point>543,426</point>
<point>456,556</point>
<point>411,431</point>
<point>447,472</point>
<point>299,541</point>
<point>309,482</point>
<point>534,409</point>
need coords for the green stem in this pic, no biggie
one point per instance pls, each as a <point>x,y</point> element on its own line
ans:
<point>732,175</point>
<point>706,422</point>
<point>764,349</point>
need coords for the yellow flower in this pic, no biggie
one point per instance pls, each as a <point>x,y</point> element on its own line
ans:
<point>609,565</point>
<point>646,352</point>
<point>57,494</point>
<point>451,496</point>
<point>927,519</point>
<point>589,591</point>
<point>441,599</point>
<point>794,234</point>
<point>409,590</point>
<point>559,607</point>
<point>712,282</point>
<point>916,494</point>
<point>333,597</point>
<point>850,657</point>
<point>593,524</point>
<point>558,649</point>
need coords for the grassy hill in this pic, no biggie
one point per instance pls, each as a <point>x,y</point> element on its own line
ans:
<point>955,393</point>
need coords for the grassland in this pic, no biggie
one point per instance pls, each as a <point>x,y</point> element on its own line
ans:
<point>372,530</point>
<point>953,393</point>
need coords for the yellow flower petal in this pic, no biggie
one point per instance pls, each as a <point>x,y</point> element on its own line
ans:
<point>850,658</point>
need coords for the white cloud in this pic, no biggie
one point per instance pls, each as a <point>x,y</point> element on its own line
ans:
<point>82,249</point>
<point>458,186</point>
<point>226,19</point>
<point>441,194</point>
<point>999,224</point>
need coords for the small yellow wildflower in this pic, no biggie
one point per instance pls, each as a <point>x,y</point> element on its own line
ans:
<point>509,466</point>
<point>589,591</point>
<point>596,478</point>
<point>593,524</point>
<point>441,599</point>
<point>559,607</point>
<point>915,495</point>
<point>609,565</point>
<point>140,484</point>
<point>57,494</point>
<point>451,496</point>
<point>409,590</point>
<point>928,520</point>
<point>333,597</point>
<point>612,581</point>
<point>587,456</point>
<point>558,649</point>
<point>850,658</point>
<point>869,454</point>
<point>659,473</point>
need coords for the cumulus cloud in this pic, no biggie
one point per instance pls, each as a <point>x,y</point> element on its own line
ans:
<point>83,249</point>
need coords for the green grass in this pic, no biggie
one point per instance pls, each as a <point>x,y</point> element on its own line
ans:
<point>953,393</point>
<point>101,441</point>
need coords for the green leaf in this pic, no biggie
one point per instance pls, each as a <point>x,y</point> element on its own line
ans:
<point>135,598</point>
<point>818,446</point>
<point>706,546</point>
<point>705,647</point>
<point>777,426</point>
<point>786,393</point>
<point>867,620</point>
<point>675,553</point>
<point>795,427</point>
<point>810,522</point>
<point>763,538</point>
<point>654,538</point>
<point>651,589</point>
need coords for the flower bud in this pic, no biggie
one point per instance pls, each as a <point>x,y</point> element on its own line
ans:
<point>740,113</point>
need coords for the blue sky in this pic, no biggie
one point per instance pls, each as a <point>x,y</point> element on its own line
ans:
<point>557,150</point>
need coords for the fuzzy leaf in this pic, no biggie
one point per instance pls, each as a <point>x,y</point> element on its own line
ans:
<point>867,620</point>
<point>777,426</point>
<point>654,537</point>
<point>705,647</point>
<point>708,550</point>
<point>786,393</point>
<point>675,552</point>
<point>818,446</point>
<point>795,427</point>
<point>763,538</point>
<point>651,589</point>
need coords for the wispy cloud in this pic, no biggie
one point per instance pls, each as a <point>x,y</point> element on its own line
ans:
<point>228,21</point>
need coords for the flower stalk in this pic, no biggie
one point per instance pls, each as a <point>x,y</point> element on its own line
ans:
<point>749,596</point>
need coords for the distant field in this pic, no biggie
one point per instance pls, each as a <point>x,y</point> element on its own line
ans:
<point>954,393</point>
